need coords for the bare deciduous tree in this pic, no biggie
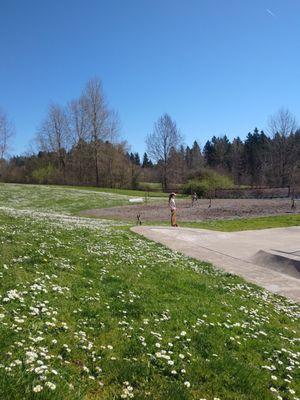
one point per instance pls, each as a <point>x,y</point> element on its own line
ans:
<point>78,125</point>
<point>54,134</point>
<point>77,119</point>
<point>102,122</point>
<point>282,127</point>
<point>283,123</point>
<point>6,133</point>
<point>160,143</point>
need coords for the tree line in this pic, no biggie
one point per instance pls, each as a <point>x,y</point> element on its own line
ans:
<point>260,159</point>
<point>79,144</point>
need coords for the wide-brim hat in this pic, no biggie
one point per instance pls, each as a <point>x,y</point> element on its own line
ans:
<point>173,194</point>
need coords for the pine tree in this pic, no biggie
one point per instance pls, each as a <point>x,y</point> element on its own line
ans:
<point>137,160</point>
<point>196,156</point>
<point>132,158</point>
<point>146,161</point>
<point>209,152</point>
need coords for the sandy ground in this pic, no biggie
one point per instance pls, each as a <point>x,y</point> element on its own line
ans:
<point>220,209</point>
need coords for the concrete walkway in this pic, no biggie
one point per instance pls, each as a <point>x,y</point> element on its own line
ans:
<point>257,256</point>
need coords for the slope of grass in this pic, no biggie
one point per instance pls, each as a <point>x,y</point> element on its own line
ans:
<point>123,192</point>
<point>90,310</point>
<point>69,199</point>
<point>65,199</point>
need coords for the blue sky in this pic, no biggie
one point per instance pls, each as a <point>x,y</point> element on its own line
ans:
<point>217,67</point>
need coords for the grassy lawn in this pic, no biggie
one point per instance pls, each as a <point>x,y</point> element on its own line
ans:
<point>124,192</point>
<point>90,310</point>
<point>68,199</point>
<point>240,224</point>
<point>57,198</point>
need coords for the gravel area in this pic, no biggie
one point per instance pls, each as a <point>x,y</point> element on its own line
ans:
<point>220,209</point>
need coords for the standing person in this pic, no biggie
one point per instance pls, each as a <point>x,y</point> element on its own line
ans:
<point>172,206</point>
<point>194,198</point>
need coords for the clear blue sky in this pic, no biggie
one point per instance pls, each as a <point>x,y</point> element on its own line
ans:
<point>216,66</point>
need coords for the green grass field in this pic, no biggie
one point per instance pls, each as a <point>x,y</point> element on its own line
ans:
<point>90,311</point>
<point>123,192</point>
<point>240,224</point>
<point>57,198</point>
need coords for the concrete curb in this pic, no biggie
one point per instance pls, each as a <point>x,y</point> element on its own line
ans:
<point>190,242</point>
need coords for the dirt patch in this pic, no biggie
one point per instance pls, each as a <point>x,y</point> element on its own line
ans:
<point>220,209</point>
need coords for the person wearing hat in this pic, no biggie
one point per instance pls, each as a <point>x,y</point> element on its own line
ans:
<point>172,206</point>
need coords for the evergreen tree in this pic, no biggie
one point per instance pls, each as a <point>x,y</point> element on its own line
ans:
<point>188,157</point>
<point>209,152</point>
<point>137,160</point>
<point>256,156</point>
<point>217,152</point>
<point>196,156</point>
<point>237,160</point>
<point>132,158</point>
<point>146,161</point>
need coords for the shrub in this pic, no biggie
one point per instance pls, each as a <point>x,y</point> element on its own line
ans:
<point>209,181</point>
<point>44,174</point>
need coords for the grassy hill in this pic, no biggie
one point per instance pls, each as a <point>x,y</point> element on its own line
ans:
<point>67,199</point>
<point>90,310</point>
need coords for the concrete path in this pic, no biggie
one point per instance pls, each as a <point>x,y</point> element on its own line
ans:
<point>240,253</point>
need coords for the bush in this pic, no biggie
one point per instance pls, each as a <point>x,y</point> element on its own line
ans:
<point>208,182</point>
<point>44,174</point>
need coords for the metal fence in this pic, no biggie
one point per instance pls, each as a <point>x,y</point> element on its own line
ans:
<point>254,193</point>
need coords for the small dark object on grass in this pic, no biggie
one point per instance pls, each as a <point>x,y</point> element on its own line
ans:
<point>138,219</point>
<point>293,203</point>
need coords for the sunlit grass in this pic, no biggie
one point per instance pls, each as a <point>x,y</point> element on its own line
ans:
<point>124,192</point>
<point>90,310</point>
<point>242,224</point>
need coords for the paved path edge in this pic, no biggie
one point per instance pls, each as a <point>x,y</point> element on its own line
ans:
<point>270,280</point>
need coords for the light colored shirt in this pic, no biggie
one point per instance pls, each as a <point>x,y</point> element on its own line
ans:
<point>172,204</point>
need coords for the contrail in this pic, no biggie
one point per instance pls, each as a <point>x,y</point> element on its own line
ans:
<point>271,13</point>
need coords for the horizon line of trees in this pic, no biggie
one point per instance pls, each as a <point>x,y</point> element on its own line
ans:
<point>80,144</point>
